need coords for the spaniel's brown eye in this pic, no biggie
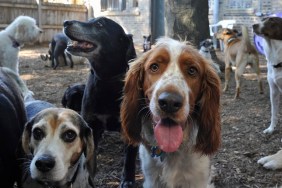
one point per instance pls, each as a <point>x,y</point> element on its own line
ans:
<point>38,134</point>
<point>192,71</point>
<point>154,67</point>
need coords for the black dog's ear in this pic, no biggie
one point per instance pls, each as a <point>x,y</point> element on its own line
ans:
<point>149,38</point>
<point>26,136</point>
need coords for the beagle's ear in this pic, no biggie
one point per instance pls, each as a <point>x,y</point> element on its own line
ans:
<point>26,137</point>
<point>131,106</point>
<point>89,148</point>
<point>209,134</point>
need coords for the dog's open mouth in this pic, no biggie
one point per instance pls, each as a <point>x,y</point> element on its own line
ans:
<point>83,46</point>
<point>168,134</point>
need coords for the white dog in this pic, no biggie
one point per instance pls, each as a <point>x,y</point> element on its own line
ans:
<point>271,31</point>
<point>22,30</point>
<point>26,93</point>
<point>205,48</point>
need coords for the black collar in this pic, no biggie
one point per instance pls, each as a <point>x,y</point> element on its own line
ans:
<point>15,43</point>
<point>278,65</point>
<point>69,184</point>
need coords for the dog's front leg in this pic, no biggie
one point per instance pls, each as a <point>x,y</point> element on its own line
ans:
<point>274,100</point>
<point>128,175</point>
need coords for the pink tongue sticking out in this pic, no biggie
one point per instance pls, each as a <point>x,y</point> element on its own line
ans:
<point>169,137</point>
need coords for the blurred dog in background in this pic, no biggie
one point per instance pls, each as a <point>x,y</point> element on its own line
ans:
<point>21,31</point>
<point>57,54</point>
<point>238,52</point>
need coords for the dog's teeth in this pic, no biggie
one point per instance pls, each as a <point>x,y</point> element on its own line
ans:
<point>75,43</point>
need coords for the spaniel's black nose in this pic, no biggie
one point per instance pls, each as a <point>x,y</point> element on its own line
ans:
<point>45,163</point>
<point>170,102</point>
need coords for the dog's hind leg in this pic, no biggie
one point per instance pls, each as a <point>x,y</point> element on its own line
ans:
<point>53,45</point>
<point>238,74</point>
<point>227,76</point>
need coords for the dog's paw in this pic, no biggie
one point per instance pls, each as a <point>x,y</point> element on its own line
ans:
<point>264,160</point>
<point>127,184</point>
<point>270,163</point>
<point>269,130</point>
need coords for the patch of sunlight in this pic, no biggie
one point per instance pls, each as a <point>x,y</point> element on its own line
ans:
<point>28,76</point>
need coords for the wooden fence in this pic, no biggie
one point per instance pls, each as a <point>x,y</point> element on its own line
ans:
<point>49,16</point>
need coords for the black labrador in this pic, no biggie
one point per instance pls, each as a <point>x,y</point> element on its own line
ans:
<point>72,97</point>
<point>12,121</point>
<point>104,43</point>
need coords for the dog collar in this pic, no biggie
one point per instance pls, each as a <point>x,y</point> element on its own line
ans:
<point>69,184</point>
<point>230,40</point>
<point>278,65</point>
<point>15,43</point>
<point>155,150</point>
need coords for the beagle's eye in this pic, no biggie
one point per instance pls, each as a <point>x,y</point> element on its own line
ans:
<point>154,67</point>
<point>69,136</point>
<point>192,71</point>
<point>38,134</point>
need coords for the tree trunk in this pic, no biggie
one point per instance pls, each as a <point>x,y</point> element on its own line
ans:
<point>187,20</point>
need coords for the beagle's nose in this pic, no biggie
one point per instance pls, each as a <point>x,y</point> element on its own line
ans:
<point>170,102</point>
<point>45,163</point>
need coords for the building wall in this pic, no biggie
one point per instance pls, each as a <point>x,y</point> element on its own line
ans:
<point>245,16</point>
<point>134,20</point>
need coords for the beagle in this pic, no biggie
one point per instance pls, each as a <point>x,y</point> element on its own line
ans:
<point>60,150</point>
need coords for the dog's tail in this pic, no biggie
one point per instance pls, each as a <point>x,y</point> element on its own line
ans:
<point>245,35</point>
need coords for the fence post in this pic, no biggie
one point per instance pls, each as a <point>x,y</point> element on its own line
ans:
<point>39,4</point>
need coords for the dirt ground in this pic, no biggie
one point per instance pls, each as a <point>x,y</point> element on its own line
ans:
<point>243,121</point>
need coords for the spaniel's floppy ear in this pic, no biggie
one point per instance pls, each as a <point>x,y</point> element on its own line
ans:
<point>209,135</point>
<point>89,147</point>
<point>133,97</point>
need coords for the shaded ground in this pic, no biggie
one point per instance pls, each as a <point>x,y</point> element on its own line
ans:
<point>243,121</point>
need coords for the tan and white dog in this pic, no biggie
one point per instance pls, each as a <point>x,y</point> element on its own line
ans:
<point>21,31</point>
<point>239,53</point>
<point>61,150</point>
<point>271,30</point>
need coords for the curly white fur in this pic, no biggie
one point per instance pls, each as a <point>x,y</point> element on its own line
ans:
<point>22,30</point>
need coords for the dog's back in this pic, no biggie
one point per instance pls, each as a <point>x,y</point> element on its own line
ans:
<point>12,120</point>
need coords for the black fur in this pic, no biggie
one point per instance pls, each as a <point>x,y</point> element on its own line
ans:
<point>73,97</point>
<point>58,45</point>
<point>12,120</point>
<point>104,43</point>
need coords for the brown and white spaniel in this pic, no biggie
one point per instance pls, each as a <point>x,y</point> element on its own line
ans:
<point>171,106</point>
